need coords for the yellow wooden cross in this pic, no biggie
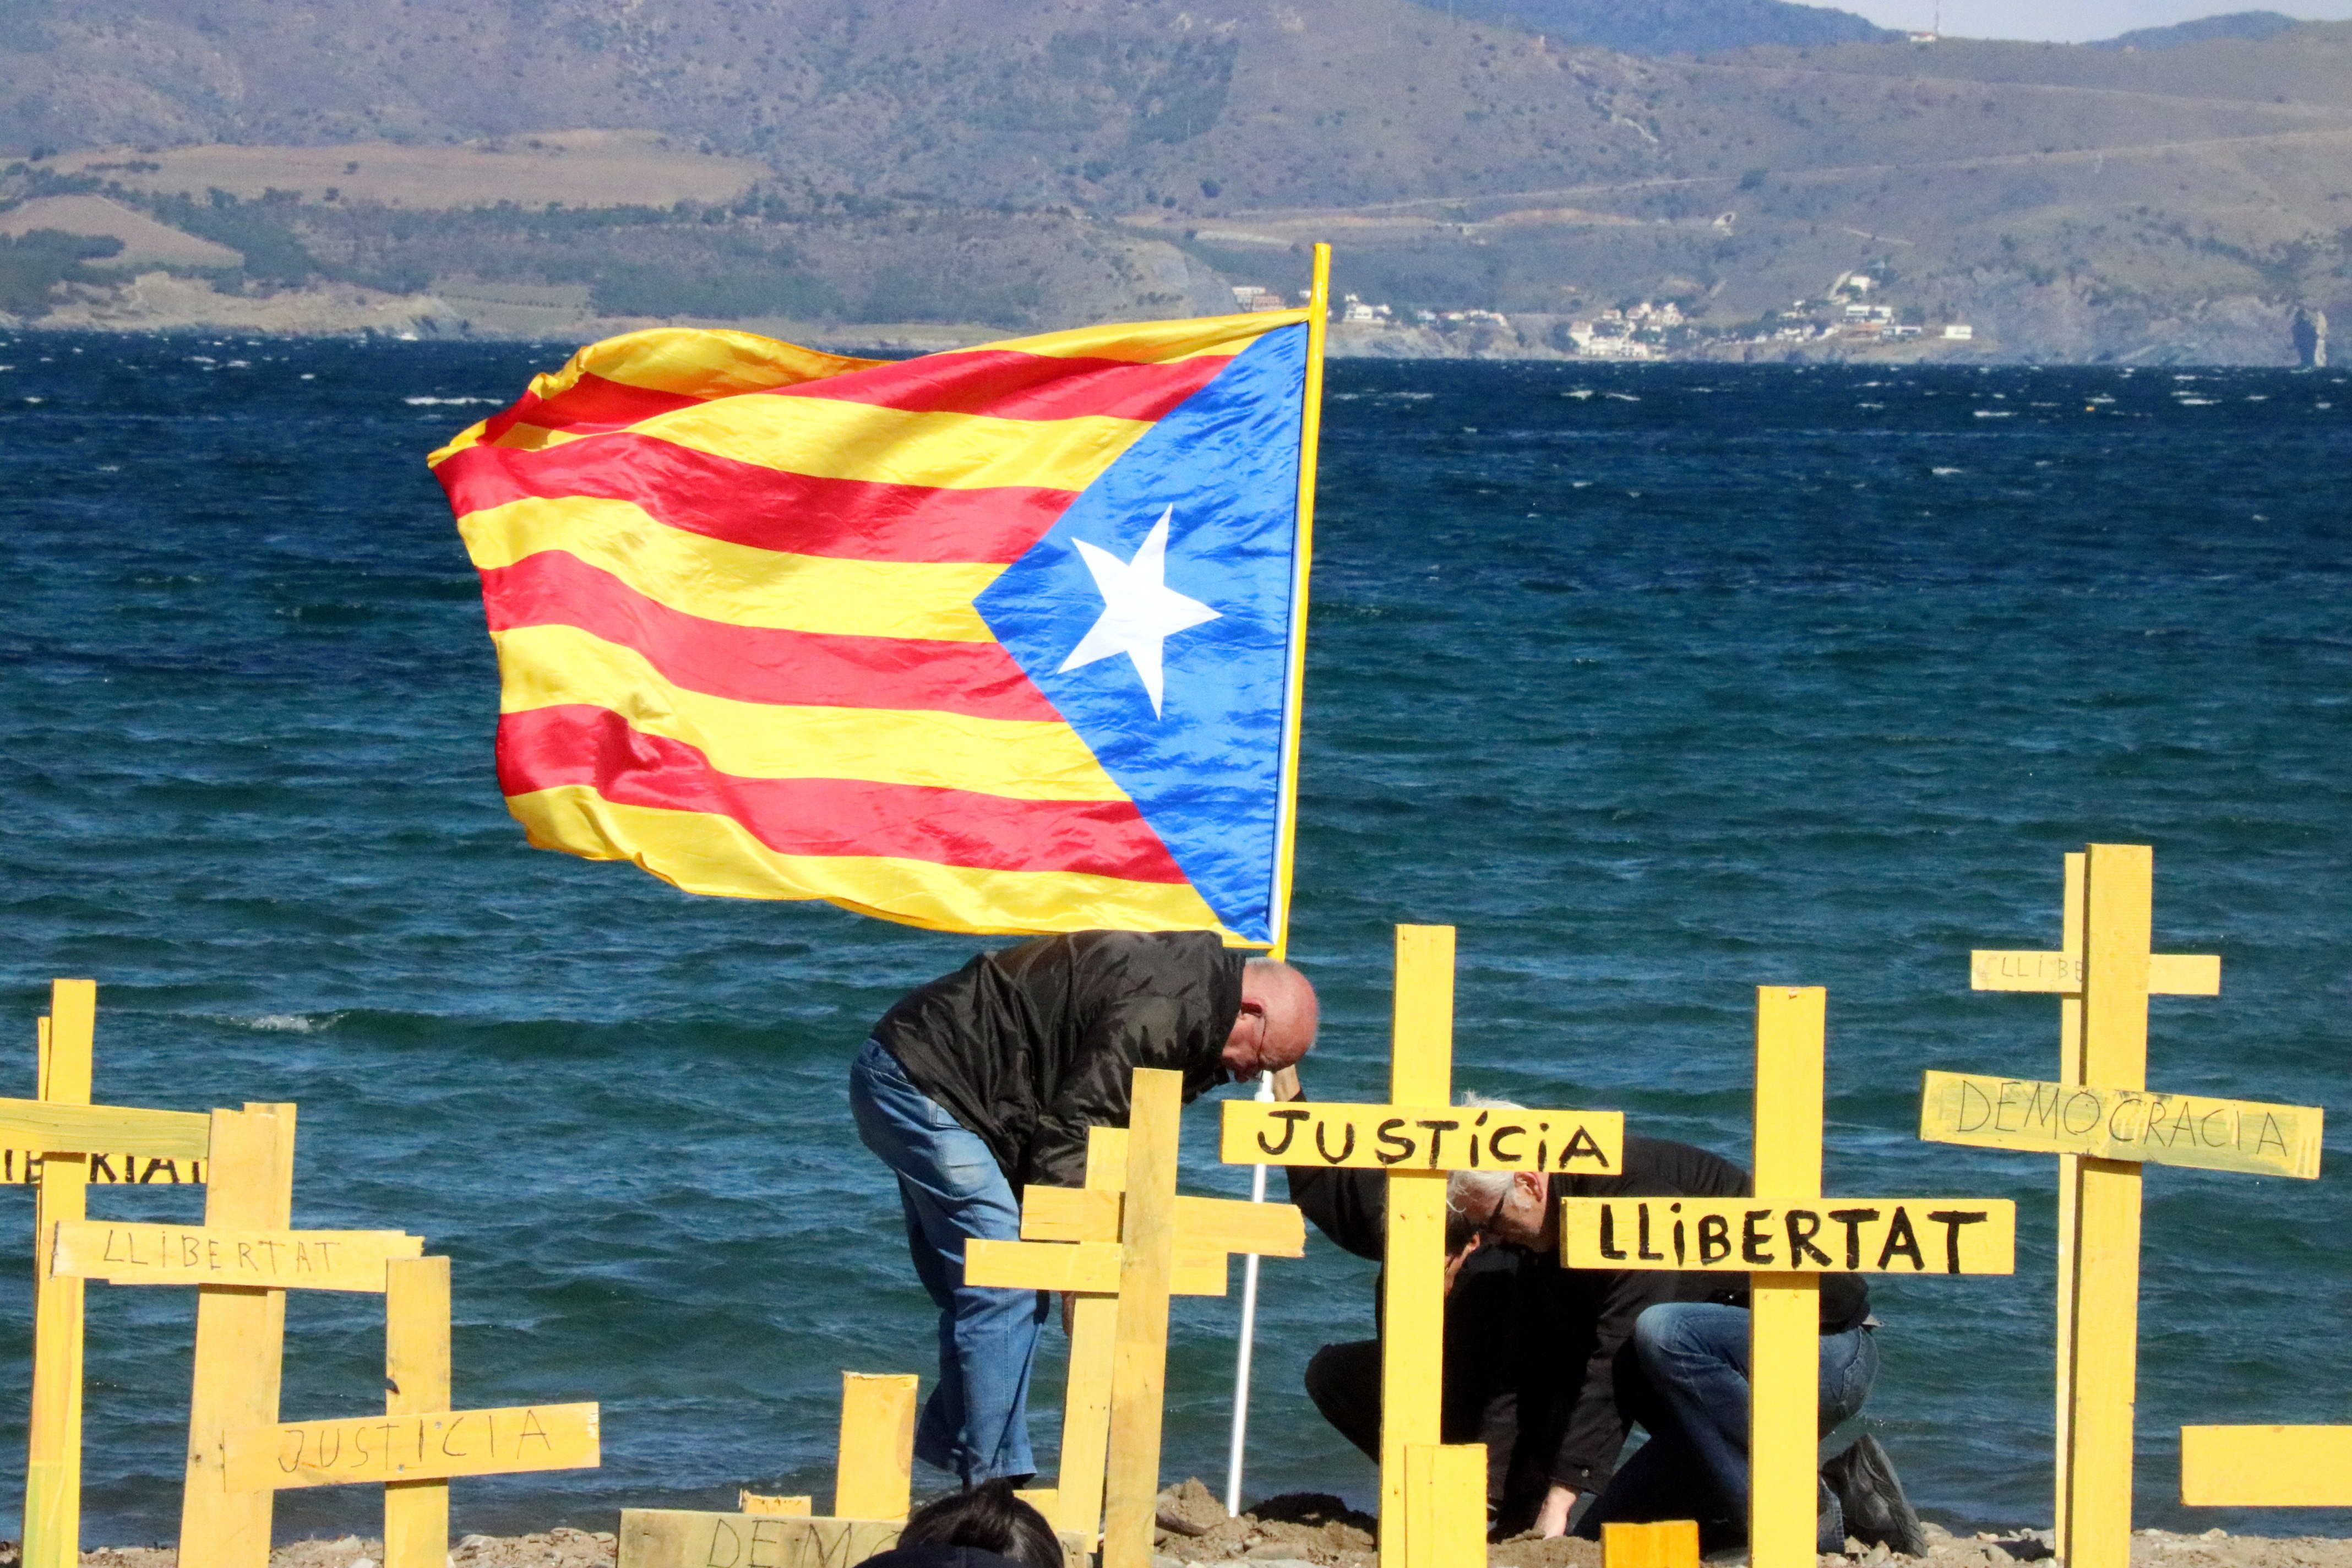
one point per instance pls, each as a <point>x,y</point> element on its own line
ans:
<point>1786,1237</point>
<point>1078,1239</point>
<point>2103,1122</point>
<point>874,1464</point>
<point>57,1139</point>
<point>1433,1495</point>
<point>242,1261</point>
<point>2061,973</point>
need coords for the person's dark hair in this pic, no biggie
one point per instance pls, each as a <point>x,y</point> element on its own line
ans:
<point>990,1518</point>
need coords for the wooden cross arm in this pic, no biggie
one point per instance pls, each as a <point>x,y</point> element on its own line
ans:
<point>2129,1125</point>
<point>2168,973</point>
<point>1090,1268</point>
<point>1423,1138</point>
<point>410,1447</point>
<point>1820,1236</point>
<point>2266,1467</point>
<point>53,1128</point>
<point>686,1538</point>
<point>126,1254</point>
<point>1202,1225</point>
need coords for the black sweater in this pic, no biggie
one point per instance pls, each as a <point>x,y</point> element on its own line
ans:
<point>1030,1046</point>
<point>1574,1321</point>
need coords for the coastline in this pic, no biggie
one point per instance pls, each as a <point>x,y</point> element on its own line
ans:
<point>2242,332</point>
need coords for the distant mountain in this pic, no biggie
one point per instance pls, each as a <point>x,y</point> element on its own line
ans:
<point>2252,26</point>
<point>1036,162</point>
<point>1673,26</point>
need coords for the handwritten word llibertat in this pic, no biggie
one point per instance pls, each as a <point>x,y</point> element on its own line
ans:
<point>201,1254</point>
<point>1395,1137</point>
<point>2243,1135</point>
<point>1825,1235</point>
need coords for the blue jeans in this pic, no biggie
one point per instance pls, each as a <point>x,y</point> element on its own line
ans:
<point>1694,1358</point>
<point>976,1422</point>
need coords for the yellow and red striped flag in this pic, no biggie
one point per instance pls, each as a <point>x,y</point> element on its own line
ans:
<point>1000,640</point>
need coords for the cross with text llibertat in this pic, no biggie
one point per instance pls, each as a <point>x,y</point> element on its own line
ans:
<point>1433,1494</point>
<point>1786,1237</point>
<point>2104,1123</point>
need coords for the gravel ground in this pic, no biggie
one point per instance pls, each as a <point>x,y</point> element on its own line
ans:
<point>1308,1530</point>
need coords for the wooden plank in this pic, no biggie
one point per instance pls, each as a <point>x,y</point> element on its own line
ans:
<point>2070,1196</point>
<point>79,1129</point>
<point>1420,1072</point>
<point>1784,1308</point>
<point>2168,973</point>
<point>775,1507</point>
<point>121,1253</point>
<point>416,1383</point>
<point>875,1464</point>
<point>1670,1544</point>
<point>1221,1225</point>
<point>107,1168</point>
<point>1991,1112</point>
<point>681,1537</point>
<point>1139,1359</point>
<point>1078,1499</point>
<point>1445,1504</point>
<point>435,1444</point>
<point>1826,1236</point>
<point>2266,1467</point>
<point>240,1341</point>
<point>1404,1137</point>
<point>2118,892</point>
<point>1085,1266</point>
<point>53,1465</point>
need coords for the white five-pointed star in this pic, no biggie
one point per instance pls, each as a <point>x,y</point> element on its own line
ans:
<point>1140,611</point>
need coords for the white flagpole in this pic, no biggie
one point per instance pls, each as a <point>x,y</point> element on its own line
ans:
<point>1249,1331</point>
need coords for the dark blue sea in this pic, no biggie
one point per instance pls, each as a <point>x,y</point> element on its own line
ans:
<point>1660,682</point>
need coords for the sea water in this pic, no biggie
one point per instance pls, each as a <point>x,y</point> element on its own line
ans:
<point>1659,682</point>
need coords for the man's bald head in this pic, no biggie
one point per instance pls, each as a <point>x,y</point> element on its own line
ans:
<point>1276,1024</point>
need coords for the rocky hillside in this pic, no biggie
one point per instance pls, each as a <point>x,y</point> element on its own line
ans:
<point>1022,162</point>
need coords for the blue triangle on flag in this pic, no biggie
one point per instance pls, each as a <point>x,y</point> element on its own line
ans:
<point>1221,471</point>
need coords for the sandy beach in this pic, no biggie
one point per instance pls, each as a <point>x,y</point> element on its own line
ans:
<point>1309,1530</point>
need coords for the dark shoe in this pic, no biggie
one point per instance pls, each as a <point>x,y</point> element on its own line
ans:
<point>1872,1498</point>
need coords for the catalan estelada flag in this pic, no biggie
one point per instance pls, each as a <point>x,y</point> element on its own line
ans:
<point>1002,640</point>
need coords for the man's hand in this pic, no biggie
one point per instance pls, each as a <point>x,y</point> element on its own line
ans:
<point>1552,1519</point>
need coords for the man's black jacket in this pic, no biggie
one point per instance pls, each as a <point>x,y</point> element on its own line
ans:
<point>1030,1046</point>
<point>1572,1322</point>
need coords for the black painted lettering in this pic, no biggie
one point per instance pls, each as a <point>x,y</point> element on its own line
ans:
<point>1437,1131</point>
<point>1583,1146</point>
<point>1951,1220</point>
<point>1752,1238</point>
<point>290,1460</point>
<point>1902,1239</point>
<point>1714,1239</point>
<point>723,1538</point>
<point>2081,1111</point>
<point>1975,1103</point>
<point>2269,1136</point>
<point>110,1256</point>
<point>532,1426</point>
<point>1389,1139</point>
<point>1290,1120</point>
<point>1608,1247</point>
<point>1495,1149</point>
<point>1803,1226</point>
<point>1853,1220</point>
<point>449,1434</point>
<point>1642,1236</point>
<point>1345,1149</point>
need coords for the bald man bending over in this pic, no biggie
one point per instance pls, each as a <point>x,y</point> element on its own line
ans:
<point>985,1081</point>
